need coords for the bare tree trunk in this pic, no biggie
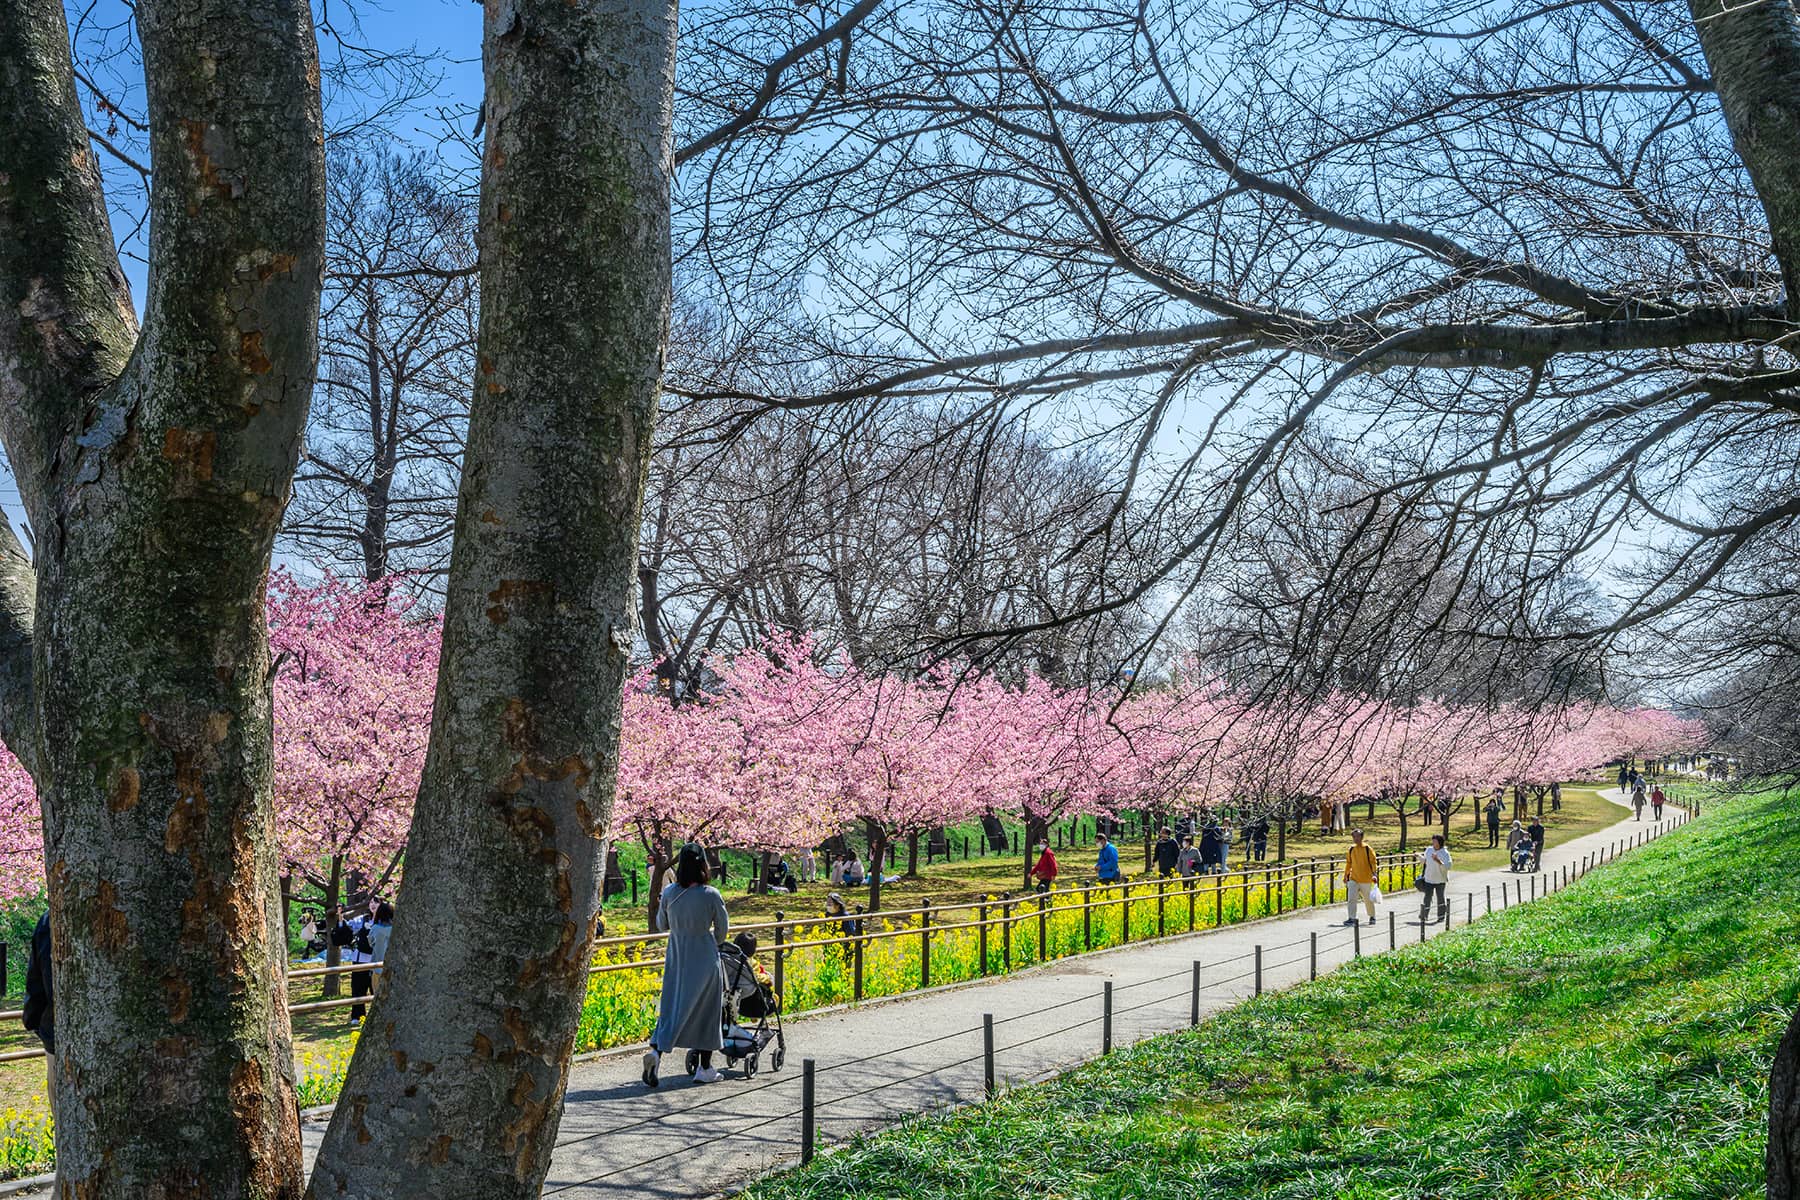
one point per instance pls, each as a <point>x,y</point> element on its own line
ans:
<point>1754,53</point>
<point>155,493</point>
<point>1783,1157</point>
<point>877,863</point>
<point>457,1085</point>
<point>912,855</point>
<point>333,984</point>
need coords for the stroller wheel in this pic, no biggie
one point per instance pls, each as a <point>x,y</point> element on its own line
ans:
<point>693,1061</point>
<point>750,1065</point>
<point>777,1058</point>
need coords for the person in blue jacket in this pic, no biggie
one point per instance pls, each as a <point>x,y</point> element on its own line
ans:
<point>1107,868</point>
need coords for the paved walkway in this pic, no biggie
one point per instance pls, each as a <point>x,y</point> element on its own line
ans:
<point>885,1060</point>
<point>882,1061</point>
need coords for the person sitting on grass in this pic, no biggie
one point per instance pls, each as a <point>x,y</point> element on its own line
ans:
<point>853,870</point>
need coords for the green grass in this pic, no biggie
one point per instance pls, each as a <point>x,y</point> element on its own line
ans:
<point>1612,1041</point>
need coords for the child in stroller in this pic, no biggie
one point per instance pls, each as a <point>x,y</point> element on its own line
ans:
<point>1522,855</point>
<point>749,996</point>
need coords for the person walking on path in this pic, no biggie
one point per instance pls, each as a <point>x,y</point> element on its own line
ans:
<point>688,1013</point>
<point>1493,820</point>
<point>1168,851</point>
<point>40,1004</point>
<point>1359,878</point>
<point>1637,800</point>
<point>1259,839</point>
<point>1657,800</point>
<point>1106,863</point>
<point>1045,872</point>
<point>1209,848</point>
<point>1188,861</point>
<point>1535,831</point>
<point>1434,876</point>
<point>1624,778</point>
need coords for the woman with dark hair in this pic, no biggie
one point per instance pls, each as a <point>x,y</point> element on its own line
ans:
<point>690,1011</point>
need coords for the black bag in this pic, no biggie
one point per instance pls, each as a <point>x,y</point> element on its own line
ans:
<point>342,935</point>
<point>363,945</point>
<point>1419,885</point>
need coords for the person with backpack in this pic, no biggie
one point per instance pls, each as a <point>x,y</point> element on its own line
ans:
<point>1359,877</point>
<point>362,950</point>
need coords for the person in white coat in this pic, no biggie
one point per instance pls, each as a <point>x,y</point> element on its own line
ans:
<point>1434,875</point>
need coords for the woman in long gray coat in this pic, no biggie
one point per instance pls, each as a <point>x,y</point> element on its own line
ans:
<point>692,987</point>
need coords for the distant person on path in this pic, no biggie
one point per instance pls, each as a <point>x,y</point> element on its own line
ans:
<point>1535,831</point>
<point>1188,862</point>
<point>1493,820</point>
<point>40,1004</point>
<point>1045,871</point>
<point>1657,800</point>
<point>1359,878</point>
<point>1106,864</point>
<point>1209,848</point>
<point>1637,801</point>
<point>689,1011</point>
<point>1168,852</point>
<point>1259,838</point>
<point>1434,874</point>
<point>1225,846</point>
<point>1624,778</point>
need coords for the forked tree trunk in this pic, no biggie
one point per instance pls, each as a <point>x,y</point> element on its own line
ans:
<point>155,492</point>
<point>456,1088</point>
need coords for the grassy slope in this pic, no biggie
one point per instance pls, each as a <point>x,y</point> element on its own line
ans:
<point>1612,1041</point>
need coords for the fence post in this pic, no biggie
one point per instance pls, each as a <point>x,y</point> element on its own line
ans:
<point>1162,897</point>
<point>1043,901</point>
<point>1194,996</point>
<point>1356,936</point>
<point>982,920</point>
<point>779,954</point>
<point>1005,931</point>
<point>1490,897</point>
<point>1087,917</point>
<point>1218,900</point>
<point>1393,933</point>
<point>1125,913</point>
<point>634,887</point>
<point>807,1125</point>
<point>987,1054</point>
<point>857,965</point>
<point>1312,957</point>
<point>1422,924</point>
<point>925,942</point>
<point>1190,885</point>
<point>1106,1020</point>
<point>1470,919</point>
<point>1259,970</point>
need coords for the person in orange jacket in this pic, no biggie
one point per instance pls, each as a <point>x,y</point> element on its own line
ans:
<point>1045,871</point>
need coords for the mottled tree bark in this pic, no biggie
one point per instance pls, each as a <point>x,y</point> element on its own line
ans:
<point>1783,1157</point>
<point>1753,50</point>
<point>456,1088</point>
<point>155,470</point>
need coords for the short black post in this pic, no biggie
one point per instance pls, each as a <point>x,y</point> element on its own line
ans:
<point>925,944</point>
<point>1422,925</point>
<point>1356,937</point>
<point>1259,970</point>
<point>857,968</point>
<point>807,1125</point>
<point>1312,957</point>
<point>1470,919</point>
<point>1106,1020</point>
<point>987,1054</point>
<point>1194,996</point>
<point>982,920</point>
<point>1087,917</point>
<point>1490,897</point>
<point>780,954</point>
<point>1393,931</point>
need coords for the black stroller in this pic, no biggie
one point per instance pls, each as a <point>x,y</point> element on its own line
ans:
<point>747,999</point>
